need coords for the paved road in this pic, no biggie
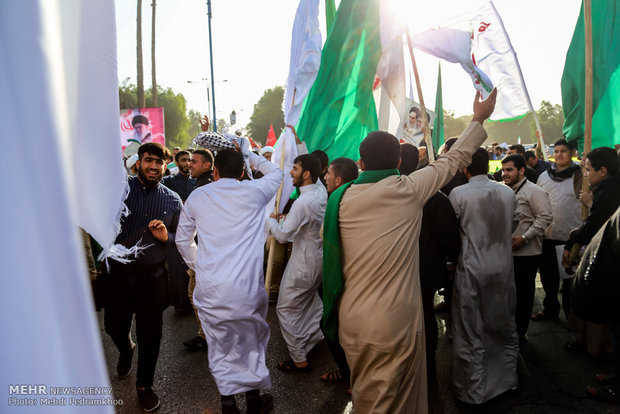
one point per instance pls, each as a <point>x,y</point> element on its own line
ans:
<point>552,380</point>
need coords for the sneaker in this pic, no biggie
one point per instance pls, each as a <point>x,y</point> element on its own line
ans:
<point>123,367</point>
<point>197,343</point>
<point>148,399</point>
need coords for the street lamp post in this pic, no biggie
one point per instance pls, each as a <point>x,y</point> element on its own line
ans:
<point>211,56</point>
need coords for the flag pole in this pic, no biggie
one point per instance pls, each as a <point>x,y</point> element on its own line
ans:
<point>427,135</point>
<point>272,240</point>
<point>587,132</point>
<point>539,133</point>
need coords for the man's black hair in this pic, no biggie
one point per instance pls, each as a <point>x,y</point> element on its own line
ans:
<point>449,143</point>
<point>516,159</point>
<point>179,155</point>
<point>323,158</point>
<point>229,163</point>
<point>529,155</point>
<point>154,148</point>
<point>563,141</point>
<point>345,168</point>
<point>380,150</point>
<point>409,158</point>
<point>479,163</point>
<point>309,162</point>
<point>605,157</point>
<point>206,154</point>
<point>520,148</point>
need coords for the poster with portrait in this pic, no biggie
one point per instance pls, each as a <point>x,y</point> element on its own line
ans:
<point>139,126</point>
<point>411,131</point>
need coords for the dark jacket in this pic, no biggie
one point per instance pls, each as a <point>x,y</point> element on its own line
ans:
<point>605,201</point>
<point>439,242</point>
<point>205,178</point>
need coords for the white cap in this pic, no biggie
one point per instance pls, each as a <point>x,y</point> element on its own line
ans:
<point>266,149</point>
<point>131,161</point>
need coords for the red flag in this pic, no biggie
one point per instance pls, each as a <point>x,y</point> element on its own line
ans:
<point>271,136</point>
<point>253,144</point>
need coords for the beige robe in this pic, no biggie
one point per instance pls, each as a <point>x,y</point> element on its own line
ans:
<point>380,312</point>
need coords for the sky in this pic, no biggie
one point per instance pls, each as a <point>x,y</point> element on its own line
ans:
<point>252,40</point>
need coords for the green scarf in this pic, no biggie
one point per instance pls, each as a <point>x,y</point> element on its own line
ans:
<point>332,251</point>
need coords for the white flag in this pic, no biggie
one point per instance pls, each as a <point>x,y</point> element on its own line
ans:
<point>59,123</point>
<point>479,42</point>
<point>304,66</point>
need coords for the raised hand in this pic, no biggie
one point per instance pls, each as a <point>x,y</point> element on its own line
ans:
<point>204,123</point>
<point>484,109</point>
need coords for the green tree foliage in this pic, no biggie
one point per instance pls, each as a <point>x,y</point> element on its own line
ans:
<point>193,128</point>
<point>267,111</point>
<point>176,122</point>
<point>551,118</point>
<point>453,126</point>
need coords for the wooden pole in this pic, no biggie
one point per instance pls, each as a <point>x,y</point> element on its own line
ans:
<point>587,131</point>
<point>427,135</point>
<point>272,240</point>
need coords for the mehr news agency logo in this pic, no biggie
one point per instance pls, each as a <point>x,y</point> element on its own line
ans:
<point>43,395</point>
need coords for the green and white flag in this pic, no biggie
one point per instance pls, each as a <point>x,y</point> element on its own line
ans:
<point>606,79</point>
<point>340,110</point>
<point>479,42</point>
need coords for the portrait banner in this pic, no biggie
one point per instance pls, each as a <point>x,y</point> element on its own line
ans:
<point>139,126</point>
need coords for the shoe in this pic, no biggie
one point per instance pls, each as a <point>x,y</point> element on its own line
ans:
<point>265,405</point>
<point>123,367</point>
<point>148,399</point>
<point>197,343</point>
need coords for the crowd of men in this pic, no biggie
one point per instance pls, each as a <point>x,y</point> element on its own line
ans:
<point>370,251</point>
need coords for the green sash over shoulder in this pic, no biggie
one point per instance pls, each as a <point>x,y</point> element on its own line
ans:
<point>332,252</point>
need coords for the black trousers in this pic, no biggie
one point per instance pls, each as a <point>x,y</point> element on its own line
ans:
<point>525,283</point>
<point>550,279</point>
<point>430,328</point>
<point>141,291</point>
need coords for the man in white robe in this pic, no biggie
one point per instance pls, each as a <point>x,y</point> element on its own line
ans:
<point>228,216</point>
<point>299,306</point>
<point>485,346</point>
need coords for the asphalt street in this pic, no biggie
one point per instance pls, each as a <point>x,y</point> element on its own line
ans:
<point>551,380</point>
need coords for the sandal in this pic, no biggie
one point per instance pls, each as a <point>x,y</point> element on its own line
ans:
<point>574,346</point>
<point>289,366</point>
<point>606,394</point>
<point>334,376</point>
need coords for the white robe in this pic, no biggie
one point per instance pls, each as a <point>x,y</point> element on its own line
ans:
<point>299,306</point>
<point>486,346</point>
<point>228,216</point>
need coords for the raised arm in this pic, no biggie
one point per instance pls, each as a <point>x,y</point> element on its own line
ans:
<point>430,179</point>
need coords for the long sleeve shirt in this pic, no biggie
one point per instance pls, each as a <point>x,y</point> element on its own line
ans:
<point>180,184</point>
<point>146,204</point>
<point>535,215</point>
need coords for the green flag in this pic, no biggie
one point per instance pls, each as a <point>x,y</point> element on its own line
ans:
<point>606,79</point>
<point>340,109</point>
<point>438,138</point>
<point>330,14</point>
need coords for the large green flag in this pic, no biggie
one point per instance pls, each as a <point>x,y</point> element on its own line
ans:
<point>340,110</point>
<point>330,14</point>
<point>606,79</point>
<point>438,138</point>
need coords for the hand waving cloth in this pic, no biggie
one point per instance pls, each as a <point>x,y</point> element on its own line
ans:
<point>332,251</point>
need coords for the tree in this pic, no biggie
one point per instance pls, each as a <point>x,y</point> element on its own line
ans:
<point>452,126</point>
<point>140,73</point>
<point>193,128</point>
<point>551,119</point>
<point>268,111</point>
<point>153,78</point>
